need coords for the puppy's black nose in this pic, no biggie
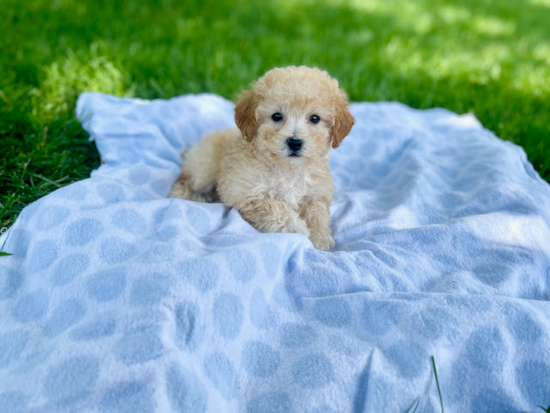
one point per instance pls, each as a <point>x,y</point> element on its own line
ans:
<point>294,144</point>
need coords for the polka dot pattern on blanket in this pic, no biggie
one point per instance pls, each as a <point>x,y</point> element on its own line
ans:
<point>118,299</point>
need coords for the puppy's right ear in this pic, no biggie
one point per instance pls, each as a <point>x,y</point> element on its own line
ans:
<point>245,114</point>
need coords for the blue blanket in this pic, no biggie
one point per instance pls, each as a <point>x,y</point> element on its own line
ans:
<point>117,299</point>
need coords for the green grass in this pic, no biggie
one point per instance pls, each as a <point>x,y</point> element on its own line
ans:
<point>491,58</point>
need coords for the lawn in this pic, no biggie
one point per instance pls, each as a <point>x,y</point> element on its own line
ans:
<point>491,58</point>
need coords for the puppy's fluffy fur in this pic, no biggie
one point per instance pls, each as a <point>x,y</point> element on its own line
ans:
<point>275,185</point>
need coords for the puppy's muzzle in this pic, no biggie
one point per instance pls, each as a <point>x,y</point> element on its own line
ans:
<point>295,146</point>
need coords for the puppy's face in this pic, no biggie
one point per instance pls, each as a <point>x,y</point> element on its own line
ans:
<point>294,115</point>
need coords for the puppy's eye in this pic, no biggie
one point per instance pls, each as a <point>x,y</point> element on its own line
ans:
<point>277,117</point>
<point>314,119</point>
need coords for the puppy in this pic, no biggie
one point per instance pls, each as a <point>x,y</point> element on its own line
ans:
<point>274,168</point>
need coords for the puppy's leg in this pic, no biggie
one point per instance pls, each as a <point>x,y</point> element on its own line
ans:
<point>270,215</point>
<point>315,212</point>
<point>198,176</point>
<point>182,188</point>
<point>197,181</point>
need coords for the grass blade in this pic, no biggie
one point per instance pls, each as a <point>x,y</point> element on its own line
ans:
<point>417,404</point>
<point>414,404</point>
<point>438,387</point>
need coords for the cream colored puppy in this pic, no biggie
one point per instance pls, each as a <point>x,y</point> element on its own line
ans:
<point>274,168</point>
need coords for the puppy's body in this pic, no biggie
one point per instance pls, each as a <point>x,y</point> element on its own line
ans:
<point>275,171</point>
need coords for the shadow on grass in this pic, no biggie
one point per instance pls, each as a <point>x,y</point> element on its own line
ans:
<point>487,57</point>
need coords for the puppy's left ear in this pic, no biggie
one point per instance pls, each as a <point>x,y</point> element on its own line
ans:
<point>343,122</point>
<point>245,114</point>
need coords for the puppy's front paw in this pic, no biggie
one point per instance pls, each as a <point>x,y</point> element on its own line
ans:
<point>297,226</point>
<point>322,242</point>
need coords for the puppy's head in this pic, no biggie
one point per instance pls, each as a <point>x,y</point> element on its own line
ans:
<point>294,114</point>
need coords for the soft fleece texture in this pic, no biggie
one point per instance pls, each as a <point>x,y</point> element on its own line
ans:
<point>117,299</point>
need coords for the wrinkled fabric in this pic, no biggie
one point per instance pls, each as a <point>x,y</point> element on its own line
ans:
<point>118,299</point>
